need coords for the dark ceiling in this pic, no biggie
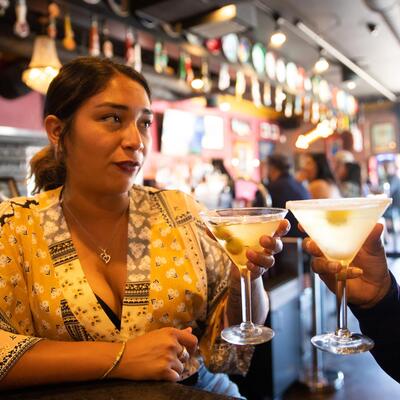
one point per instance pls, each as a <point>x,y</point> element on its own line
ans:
<point>343,23</point>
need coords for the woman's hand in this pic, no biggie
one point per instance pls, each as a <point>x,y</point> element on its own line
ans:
<point>368,275</point>
<point>259,262</point>
<point>157,355</point>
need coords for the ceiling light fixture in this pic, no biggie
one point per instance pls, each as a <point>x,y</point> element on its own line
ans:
<point>322,64</point>
<point>346,61</point>
<point>197,84</point>
<point>44,65</point>
<point>323,130</point>
<point>278,38</point>
<point>351,85</point>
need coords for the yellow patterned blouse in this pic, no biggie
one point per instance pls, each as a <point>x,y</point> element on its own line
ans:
<point>177,276</point>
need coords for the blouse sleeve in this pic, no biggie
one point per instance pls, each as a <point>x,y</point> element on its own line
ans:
<point>16,328</point>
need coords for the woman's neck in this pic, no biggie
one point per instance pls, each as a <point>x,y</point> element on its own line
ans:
<point>94,204</point>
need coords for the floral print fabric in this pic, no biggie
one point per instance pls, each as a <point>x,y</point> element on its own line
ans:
<point>177,276</point>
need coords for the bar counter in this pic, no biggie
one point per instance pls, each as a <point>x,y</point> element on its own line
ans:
<point>112,390</point>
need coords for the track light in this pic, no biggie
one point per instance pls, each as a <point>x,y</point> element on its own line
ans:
<point>278,38</point>
<point>351,85</point>
<point>322,64</point>
<point>346,61</point>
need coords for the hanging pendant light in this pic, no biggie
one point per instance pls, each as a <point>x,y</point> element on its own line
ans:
<point>44,65</point>
<point>278,37</point>
<point>321,64</point>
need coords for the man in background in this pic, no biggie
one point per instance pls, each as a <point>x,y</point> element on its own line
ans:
<point>392,213</point>
<point>282,187</point>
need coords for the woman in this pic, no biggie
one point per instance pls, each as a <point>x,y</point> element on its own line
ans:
<point>99,279</point>
<point>349,175</point>
<point>316,171</point>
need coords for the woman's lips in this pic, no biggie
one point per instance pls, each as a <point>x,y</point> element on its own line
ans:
<point>129,167</point>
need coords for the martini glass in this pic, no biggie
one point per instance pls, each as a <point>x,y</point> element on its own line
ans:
<point>340,227</point>
<point>237,230</point>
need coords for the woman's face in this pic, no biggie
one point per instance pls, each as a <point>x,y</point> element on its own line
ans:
<point>341,171</point>
<point>309,168</point>
<point>110,137</point>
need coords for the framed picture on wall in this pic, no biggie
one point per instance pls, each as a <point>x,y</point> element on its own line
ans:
<point>8,188</point>
<point>383,138</point>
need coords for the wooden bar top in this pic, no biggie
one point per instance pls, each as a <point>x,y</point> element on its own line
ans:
<point>112,390</point>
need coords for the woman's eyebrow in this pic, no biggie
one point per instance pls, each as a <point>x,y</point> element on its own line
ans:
<point>148,112</point>
<point>113,105</point>
<point>123,107</point>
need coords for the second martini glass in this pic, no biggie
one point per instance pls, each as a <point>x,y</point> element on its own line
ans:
<point>340,227</point>
<point>237,230</point>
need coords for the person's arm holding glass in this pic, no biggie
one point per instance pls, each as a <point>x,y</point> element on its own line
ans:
<point>373,296</point>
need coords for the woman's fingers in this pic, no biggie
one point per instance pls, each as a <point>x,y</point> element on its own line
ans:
<point>187,339</point>
<point>272,245</point>
<point>177,366</point>
<point>311,247</point>
<point>283,228</point>
<point>263,260</point>
<point>255,270</point>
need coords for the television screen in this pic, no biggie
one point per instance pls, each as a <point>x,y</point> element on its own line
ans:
<point>213,138</point>
<point>185,133</point>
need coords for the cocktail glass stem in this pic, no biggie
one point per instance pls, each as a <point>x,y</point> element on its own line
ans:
<point>245,288</point>
<point>341,304</point>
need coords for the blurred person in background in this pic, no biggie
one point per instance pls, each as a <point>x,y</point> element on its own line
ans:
<point>340,158</point>
<point>227,194</point>
<point>392,213</point>
<point>349,178</point>
<point>282,187</point>
<point>315,170</point>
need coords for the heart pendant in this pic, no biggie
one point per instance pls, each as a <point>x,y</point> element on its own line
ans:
<point>104,256</point>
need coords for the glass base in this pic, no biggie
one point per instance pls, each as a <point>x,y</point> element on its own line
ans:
<point>352,343</point>
<point>322,380</point>
<point>237,335</point>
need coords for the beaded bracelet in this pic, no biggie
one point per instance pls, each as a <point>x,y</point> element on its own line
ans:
<point>116,361</point>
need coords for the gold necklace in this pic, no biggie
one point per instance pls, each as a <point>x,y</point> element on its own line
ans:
<point>103,254</point>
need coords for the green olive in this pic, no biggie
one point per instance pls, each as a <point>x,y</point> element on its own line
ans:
<point>234,246</point>
<point>337,217</point>
<point>222,233</point>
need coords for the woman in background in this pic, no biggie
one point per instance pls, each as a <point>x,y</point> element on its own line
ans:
<point>316,172</point>
<point>349,176</point>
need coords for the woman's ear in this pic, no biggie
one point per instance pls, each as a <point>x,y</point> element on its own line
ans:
<point>54,127</point>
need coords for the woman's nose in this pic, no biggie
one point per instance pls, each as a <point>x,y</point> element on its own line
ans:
<point>133,138</point>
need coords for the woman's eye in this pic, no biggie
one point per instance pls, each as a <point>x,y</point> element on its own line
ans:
<point>147,124</point>
<point>113,118</point>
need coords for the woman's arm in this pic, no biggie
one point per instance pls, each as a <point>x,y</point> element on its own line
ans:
<point>153,356</point>
<point>52,362</point>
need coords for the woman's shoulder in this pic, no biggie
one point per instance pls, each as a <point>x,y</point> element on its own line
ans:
<point>26,204</point>
<point>320,188</point>
<point>171,196</point>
